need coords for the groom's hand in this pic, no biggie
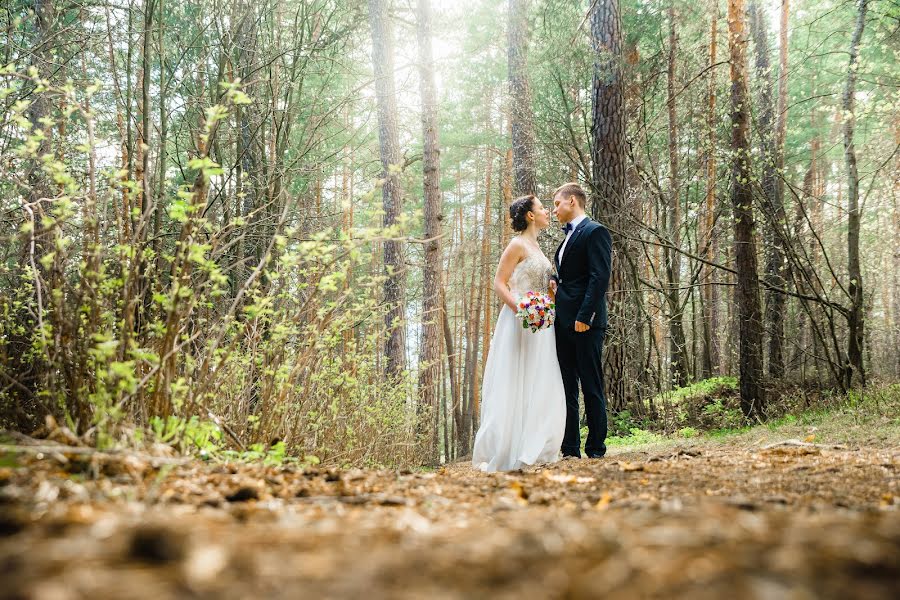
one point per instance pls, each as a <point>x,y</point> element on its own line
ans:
<point>581,327</point>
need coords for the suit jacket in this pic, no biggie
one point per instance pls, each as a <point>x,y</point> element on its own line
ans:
<point>583,276</point>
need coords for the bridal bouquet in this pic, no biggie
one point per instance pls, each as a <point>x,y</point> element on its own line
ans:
<point>536,311</point>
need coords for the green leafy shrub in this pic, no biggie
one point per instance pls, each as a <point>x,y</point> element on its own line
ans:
<point>256,327</point>
<point>708,404</point>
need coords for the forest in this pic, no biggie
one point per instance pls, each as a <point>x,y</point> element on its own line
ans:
<point>281,220</point>
<point>247,263</point>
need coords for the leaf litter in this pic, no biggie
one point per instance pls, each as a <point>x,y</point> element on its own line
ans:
<point>796,520</point>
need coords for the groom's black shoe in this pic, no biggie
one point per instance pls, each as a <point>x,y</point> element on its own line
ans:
<point>595,455</point>
<point>568,455</point>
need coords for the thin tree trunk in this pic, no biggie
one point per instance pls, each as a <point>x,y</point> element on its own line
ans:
<point>477,291</point>
<point>430,356</point>
<point>711,353</point>
<point>163,135</point>
<point>451,362</point>
<point>809,198</point>
<point>856,316</point>
<point>776,340</point>
<point>895,271</point>
<point>506,185</point>
<point>677,343</point>
<point>521,113</point>
<point>395,272</point>
<point>485,287</point>
<point>471,310</point>
<point>748,303</point>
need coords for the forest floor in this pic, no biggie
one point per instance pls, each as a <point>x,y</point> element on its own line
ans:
<point>756,515</point>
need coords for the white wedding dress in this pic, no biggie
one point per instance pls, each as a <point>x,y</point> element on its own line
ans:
<point>523,409</point>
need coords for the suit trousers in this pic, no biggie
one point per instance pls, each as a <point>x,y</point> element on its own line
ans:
<point>579,357</point>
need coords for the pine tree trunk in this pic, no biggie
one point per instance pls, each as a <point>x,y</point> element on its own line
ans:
<point>711,358</point>
<point>451,364</point>
<point>395,271</point>
<point>776,340</point>
<point>430,355</point>
<point>855,319</point>
<point>677,343</point>
<point>161,159</point>
<point>608,203</point>
<point>895,271</point>
<point>747,292</point>
<point>506,186</point>
<point>809,198</point>
<point>521,113</point>
<point>485,287</point>
<point>773,205</point>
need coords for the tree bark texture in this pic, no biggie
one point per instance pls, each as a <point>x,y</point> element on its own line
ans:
<point>429,367</point>
<point>677,339</point>
<point>608,205</point>
<point>750,331</point>
<point>895,275</point>
<point>711,359</point>
<point>773,206</point>
<point>856,316</point>
<point>388,136</point>
<point>521,113</point>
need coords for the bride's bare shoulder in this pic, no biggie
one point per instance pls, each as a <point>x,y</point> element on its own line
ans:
<point>515,245</point>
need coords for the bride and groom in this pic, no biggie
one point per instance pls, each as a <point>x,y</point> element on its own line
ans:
<point>529,411</point>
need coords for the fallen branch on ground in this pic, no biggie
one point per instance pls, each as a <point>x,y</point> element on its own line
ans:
<point>793,442</point>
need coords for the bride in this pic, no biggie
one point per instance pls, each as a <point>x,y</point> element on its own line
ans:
<point>523,410</point>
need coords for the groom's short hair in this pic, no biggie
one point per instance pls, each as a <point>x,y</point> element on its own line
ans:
<point>572,189</point>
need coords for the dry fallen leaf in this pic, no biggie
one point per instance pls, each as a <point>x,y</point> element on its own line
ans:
<point>629,467</point>
<point>604,501</point>
<point>519,489</point>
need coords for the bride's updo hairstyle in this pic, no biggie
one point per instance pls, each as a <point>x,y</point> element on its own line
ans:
<point>518,212</point>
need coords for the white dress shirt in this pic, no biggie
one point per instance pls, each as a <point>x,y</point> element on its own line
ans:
<point>574,222</point>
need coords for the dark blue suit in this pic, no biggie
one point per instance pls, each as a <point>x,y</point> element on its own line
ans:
<point>583,278</point>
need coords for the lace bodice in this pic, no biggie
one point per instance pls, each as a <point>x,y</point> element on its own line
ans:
<point>531,274</point>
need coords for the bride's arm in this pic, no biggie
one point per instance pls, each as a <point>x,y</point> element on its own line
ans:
<point>511,257</point>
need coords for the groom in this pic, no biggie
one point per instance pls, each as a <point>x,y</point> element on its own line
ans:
<point>582,275</point>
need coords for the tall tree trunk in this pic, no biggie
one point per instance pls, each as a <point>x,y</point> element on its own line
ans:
<point>747,292</point>
<point>163,134</point>
<point>478,305</point>
<point>506,188</point>
<point>774,216</point>
<point>521,114</point>
<point>608,186</point>
<point>677,343</point>
<point>856,316</point>
<point>485,286</point>
<point>451,364</point>
<point>142,174</point>
<point>804,204</point>
<point>430,355</point>
<point>776,340</point>
<point>711,358</point>
<point>395,272</point>
<point>895,271</point>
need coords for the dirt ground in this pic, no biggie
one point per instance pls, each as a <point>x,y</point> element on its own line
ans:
<point>695,521</point>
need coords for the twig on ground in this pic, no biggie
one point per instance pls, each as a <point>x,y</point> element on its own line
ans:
<point>793,442</point>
